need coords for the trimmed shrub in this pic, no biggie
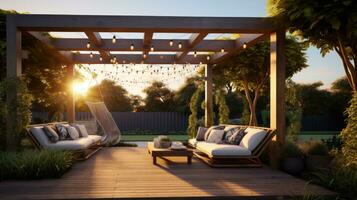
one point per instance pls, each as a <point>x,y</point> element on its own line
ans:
<point>35,164</point>
<point>291,150</point>
<point>315,148</point>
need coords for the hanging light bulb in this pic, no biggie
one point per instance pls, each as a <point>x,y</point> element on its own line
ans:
<point>244,45</point>
<point>222,50</point>
<point>144,55</point>
<point>171,43</point>
<point>132,47</point>
<point>195,54</point>
<point>115,58</point>
<point>208,57</point>
<point>88,45</point>
<point>180,45</point>
<point>91,55</point>
<point>152,48</point>
<point>114,40</point>
<point>100,58</point>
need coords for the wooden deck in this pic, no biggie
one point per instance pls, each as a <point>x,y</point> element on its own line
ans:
<point>129,173</point>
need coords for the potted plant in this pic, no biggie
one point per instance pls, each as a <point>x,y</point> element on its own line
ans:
<point>162,141</point>
<point>292,161</point>
<point>317,155</point>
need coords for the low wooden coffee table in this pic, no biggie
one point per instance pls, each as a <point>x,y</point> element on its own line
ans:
<point>156,152</point>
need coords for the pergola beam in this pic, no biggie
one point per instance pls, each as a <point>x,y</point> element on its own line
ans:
<point>96,40</point>
<point>147,42</point>
<point>195,39</point>
<point>249,40</point>
<point>95,23</point>
<point>66,44</point>
<point>137,58</point>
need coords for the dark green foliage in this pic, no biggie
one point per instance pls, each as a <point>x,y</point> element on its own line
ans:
<point>291,150</point>
<point>21,106</point>
<point>338,178</point>
<point>34,164</point>
<point>315,148</point>
<point>193,118</point>
<point>333,143</point>
<point>158,98</point>
<point>326,24</point>
<point>293,110</point>
<point>349,134</point>
<point>223,110</point>
<point>125,144</point>
<point>115,97</point>
<point>183,95</point>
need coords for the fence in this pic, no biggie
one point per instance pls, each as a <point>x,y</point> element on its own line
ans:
<point>157,122</point>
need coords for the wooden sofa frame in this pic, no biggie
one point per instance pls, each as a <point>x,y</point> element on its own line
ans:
<point>82,154</point>
<point>238,161</point>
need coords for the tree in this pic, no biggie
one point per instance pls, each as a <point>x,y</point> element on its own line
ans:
<point>326,24</point>
<point>158,98</point>
<point>183,95</point>
<point>249,70</point>
<point>137,102</point>
<point>114,96</point>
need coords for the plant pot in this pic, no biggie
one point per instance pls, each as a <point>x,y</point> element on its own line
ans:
<point>293,165</point>
<point>314,162</point>
<point>161,144</point>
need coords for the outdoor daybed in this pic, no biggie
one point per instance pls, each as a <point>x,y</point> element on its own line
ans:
<point>83,147</point>
<point>245,153</point>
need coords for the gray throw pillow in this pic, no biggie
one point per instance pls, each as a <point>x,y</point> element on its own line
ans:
<point>201,133</point>
<point>62,131</point>
<point>215,136</point>
<point>72,132</point>
<point>51,134</point>
<point>212,128</point>
<point>82,130</point>
<point>237,136</point>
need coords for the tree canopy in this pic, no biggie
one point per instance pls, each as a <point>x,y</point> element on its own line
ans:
<point>158,98</point>
<point>326,24</point>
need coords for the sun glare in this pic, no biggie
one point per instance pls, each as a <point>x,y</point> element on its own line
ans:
<point>80,88</point>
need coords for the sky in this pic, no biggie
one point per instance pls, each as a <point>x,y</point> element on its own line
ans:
<point>325,69</point>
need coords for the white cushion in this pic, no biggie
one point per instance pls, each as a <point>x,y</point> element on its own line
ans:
<point>79,144</point>
<point>193,142</point>
<point>213,149</point>
<point>253,138</point>
<point>95,138</point>
<point>215,136</point>
<point>40,135</point>
<point>73,133</point>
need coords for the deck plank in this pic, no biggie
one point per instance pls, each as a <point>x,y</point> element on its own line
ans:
<point>129,173</point>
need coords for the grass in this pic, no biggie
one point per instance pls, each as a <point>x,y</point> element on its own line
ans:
<point>34,164</point>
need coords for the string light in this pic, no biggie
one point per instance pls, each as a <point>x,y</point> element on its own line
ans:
<point>91,55</point>
<point>208,57</point>
<point>100,58</point>
<point>88,45</point>
<point>244,45</point>
<point>114,40</point>
<point>180,45</point>
<point>171,43</point>
<point>222,50</point>
<point>152,48</point>
<point>132,47</point>
<point>195,54</point>
<point>144,55</point>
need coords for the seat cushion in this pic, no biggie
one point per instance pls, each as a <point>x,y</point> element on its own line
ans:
<point>193,142</point>
<point>79,144</point>
<point>95,138</point>
<point>222,150</point>
<point>252,138</point>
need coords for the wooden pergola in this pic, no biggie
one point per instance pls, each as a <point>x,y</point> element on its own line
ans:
<point>250,30</point>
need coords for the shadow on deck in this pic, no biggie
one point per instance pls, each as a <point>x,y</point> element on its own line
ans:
<point>129,173</point>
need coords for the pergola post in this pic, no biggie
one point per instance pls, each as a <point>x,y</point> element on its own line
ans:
<point>208,96</point>
<point>277,90</point>
<point>71,115</point>
<point>13,70</point>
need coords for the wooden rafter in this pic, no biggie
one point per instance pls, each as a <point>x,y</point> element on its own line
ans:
<point>193,41</point>
<point>96,41</point>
